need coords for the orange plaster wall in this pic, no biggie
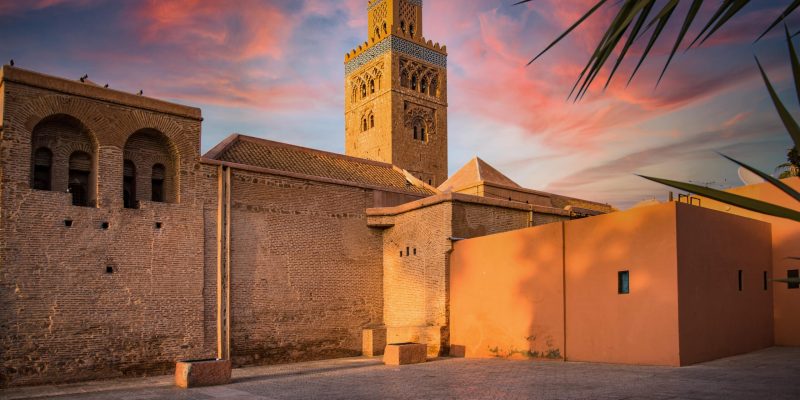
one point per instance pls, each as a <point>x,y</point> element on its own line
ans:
<point>636,328</point>
<point>786,243</point>
<point>716,319</point>
<point>506,294</point>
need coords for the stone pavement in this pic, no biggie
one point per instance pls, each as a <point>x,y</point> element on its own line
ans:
<point>768,374</point>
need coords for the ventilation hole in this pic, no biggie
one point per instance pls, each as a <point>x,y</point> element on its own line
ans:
<point>68,223</point>
<point>109,269</point>
<point>158,225</point>
<point>407,251</point>
<point>104,225</point>
<point>401,253</point>
<point>415,251</point>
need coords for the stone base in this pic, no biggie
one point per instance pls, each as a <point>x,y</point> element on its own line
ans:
<point>196,373</point>
<point>436,337</point>
<point>458,351</point>
<point>373,341</point>
<point>405,353</point>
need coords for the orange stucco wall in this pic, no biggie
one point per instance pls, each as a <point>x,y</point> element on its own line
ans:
<point>506,296</point>
<point>785,243</point>
<point>716,318</point>
<point>508,288</point>
<point>636,328</point>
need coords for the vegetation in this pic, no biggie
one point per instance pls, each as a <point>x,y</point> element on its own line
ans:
<point>633,21</point>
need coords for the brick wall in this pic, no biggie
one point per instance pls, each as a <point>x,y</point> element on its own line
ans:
<point>306,271</point>
<point>113,294</point>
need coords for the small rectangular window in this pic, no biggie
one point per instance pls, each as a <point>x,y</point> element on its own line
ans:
<point>623,282</point>
<point>740,280</point>
<point>793,274</point>
<point>765,280</point>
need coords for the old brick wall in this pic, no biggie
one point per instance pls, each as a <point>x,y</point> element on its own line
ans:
<point>92,300</point>
<point>306,271</point>
<point>417,258</point>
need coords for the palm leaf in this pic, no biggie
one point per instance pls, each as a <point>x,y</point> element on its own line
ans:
<point>571,28</point>
<point>665,14</point>
<point>794,61</point>
<point>784,14</point>
<point>645,12</point>
<point>775,182</point>
<point>732,199</point>
<point>722,7</point>
<point>786,118</point>
<point>729,13</point>
<point>687,23</point>
<point>787,280</point>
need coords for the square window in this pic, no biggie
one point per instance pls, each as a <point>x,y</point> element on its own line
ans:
<point>793,274</point>
<point>623,282</point>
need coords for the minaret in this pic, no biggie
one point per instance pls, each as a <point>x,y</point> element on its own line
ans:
<point>396,93</point>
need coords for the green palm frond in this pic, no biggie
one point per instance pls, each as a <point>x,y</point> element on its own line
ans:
<point>628,25</point>
<point>732,199</point>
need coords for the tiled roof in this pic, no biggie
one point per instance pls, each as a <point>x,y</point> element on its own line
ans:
<point>284,157</point>
<point>475,172</point>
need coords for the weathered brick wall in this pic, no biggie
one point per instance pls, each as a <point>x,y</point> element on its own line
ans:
<point>87,301</point>
<point>306,271</point>
<point>416,264</point>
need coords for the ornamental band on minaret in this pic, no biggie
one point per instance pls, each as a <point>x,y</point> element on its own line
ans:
<point>396,93</point>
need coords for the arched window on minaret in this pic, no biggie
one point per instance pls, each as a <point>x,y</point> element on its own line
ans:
<point>364,125</point>
<point>422,133</point>
<point>433,87</point>
<point>403,26</point>
<point>385,30</point>
<point>411,29</point>
<point>363,90</point>
<point>404,79</point>
<point>372,86</point>
<point>371,121</point>
<point>416,132</point>
<point>423,86</point>
<point>377,32</point>
<point>414,82</point>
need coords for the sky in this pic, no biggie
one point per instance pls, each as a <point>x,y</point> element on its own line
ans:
<point>274,69</point>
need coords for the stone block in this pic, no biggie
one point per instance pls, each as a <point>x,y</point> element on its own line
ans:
<point>196,373</point>
<point>373,341</point>
<point>405,353</point>
<point>458,351</point>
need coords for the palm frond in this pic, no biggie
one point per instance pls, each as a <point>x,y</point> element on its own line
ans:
<point>784,14</point>
<point>775,182</point>
<point>787,119</point>
<point>732,199</point>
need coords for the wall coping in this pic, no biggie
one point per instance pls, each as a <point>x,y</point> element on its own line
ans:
<point>460,198</point>
<point>94,92</point>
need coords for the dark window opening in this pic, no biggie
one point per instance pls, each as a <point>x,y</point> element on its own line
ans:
<point>384,28</point>
<point>80,166</point>
<point>793,275</point>
<point>363,90</point>
<point>403,26</point>
<point>157,188</point>
<point>423,86</point>
<point>109,269</point>
<point>415,251</point>
<point>372,86</point>
<point>430,182</point>
<point>623,282</point>
<point>364,125</point>
<point>105,225</point>
<point>371,121</point>
<point>765,280</point>
<point>377,32</point>
<point>411,29</point>
<point>129,184</point>
<point>158,225</point>
<point>42,167</point>
<point>414,82</point>
<point>401,253</point>
<point>407,251</point>
<point>422,134</point>
<point>68,223</point>
<point>415,132</point>
<point>740,280</point>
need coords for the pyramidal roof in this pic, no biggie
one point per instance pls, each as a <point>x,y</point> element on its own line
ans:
<point>475,172</point>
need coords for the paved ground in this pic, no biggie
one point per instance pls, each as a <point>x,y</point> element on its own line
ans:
<point>769,374</point>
